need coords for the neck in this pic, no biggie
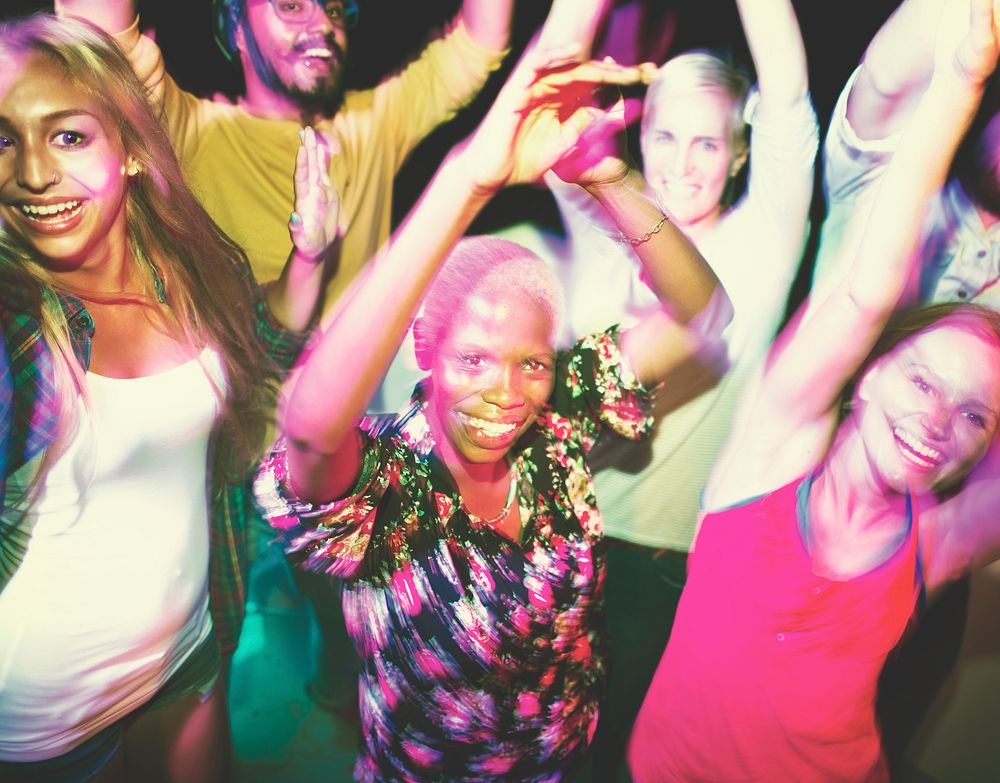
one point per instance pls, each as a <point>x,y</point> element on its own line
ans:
<point>850,483</point>
<point>698,229</point>
<point>109,270</point>
<point>472,478</point>
<point>262,101</point>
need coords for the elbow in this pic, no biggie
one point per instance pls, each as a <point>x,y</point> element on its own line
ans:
<point>714,317</point>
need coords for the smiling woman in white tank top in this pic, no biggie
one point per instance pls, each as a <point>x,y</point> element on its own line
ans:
<point>130,482</point>
<point>142,359</point>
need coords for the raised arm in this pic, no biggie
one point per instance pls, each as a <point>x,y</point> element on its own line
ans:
<point>572,21</point>
<point>488,21</point>
<point>779,56</point>
<point>296,296</point>
<point>532,122</point>
<point>689,292</point>
<point>112,16</point>
<point>896,69</point>
<point>963,532</point>
<point>813,359</point>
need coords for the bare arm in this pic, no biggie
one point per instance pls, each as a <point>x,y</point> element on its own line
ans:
<point>694,308</point>
<point>488,21</point>
<point>688,290</point>
<point>568,21</point>
<point>529,127</point>
<point>295,297</point>
<point>572,21</point>
<point>779,56</point>
<point>112,16</point>
<point>814,358</point>
<point>896,69</point>
<point>963,532</point>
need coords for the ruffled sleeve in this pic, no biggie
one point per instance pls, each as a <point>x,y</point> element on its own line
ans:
<point>331,537</point>
<point>595,388</point>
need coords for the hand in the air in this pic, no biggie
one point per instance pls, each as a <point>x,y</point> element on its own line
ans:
<point>313,224</point>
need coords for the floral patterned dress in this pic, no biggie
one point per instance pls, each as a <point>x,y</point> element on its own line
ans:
<point>482,657</point>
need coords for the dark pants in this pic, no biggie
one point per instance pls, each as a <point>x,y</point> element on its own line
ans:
<point>642,588</point>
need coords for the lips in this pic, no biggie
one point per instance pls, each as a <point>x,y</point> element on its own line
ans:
<point>916,451</point>
<point>54,217</point>
<point>490,433</point>
<point>488,427</point>
<point>318,52</point>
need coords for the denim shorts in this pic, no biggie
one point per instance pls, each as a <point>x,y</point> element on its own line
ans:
<point>198,674</point>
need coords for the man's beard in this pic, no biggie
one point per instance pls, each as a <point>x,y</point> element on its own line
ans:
<point>323,98</point>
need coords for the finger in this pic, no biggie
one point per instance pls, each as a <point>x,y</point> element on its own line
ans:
<point>590,73</point>
<point>632,110</point>
<point>301,173</point>
<point>324,166</point>
<point>310,141</point>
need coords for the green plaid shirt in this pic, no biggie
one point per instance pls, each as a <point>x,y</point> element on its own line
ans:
<point>28,412</point>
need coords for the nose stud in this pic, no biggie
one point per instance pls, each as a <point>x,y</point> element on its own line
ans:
<point>54,178</point>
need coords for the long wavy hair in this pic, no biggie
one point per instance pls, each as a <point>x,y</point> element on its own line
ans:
<point>174,243</point>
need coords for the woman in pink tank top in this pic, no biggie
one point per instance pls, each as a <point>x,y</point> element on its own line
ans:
<point>809,562</point>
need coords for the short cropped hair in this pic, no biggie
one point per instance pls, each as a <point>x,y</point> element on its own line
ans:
<point>484,264</point>
<point>703,71</point>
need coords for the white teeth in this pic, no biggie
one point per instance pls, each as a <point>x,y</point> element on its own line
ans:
<point>318,52</point>
<point>491,428</point>
<point>47,210</point>
<point>932,455</point>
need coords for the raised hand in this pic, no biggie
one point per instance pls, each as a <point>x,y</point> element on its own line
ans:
<point>969,40</point>
<point>599,156</point>
<point>541,113</point>
<point>313,224</point>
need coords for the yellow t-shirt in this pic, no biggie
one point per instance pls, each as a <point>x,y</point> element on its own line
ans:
<point>240,166</point>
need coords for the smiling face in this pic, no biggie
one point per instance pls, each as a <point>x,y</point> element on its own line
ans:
<point>491,373</point>
<point>688,154</point>
<point>62,167</point>
<point>301,61</point>
<point>929,409</point>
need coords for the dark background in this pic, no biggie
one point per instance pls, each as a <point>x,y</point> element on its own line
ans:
<point>390,31</point>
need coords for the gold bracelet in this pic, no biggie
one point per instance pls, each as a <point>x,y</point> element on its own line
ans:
<point>645,237</point>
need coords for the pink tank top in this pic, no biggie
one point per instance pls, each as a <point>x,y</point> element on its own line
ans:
<point>770,672</point>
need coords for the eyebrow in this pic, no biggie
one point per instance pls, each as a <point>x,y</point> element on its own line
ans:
<point>701,137</point>
<point>975,402</point>
<point>58,115</point>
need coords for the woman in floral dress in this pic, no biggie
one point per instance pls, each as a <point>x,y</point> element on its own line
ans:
<point>466,529</point>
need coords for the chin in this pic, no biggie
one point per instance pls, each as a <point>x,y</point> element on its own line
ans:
<point>323,97</point>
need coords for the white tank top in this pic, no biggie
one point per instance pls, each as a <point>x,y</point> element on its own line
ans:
<point>112,595</point>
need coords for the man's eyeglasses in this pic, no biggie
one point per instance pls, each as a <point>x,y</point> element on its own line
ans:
<point>341,13</point>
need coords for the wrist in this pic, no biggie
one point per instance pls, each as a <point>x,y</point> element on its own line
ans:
<point>306,258</point>
<point>626,179</point>
<point>459,172</point>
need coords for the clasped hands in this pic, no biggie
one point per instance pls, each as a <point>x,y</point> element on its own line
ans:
<point>548,116</point>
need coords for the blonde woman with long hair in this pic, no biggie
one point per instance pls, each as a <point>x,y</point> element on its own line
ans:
<point>142,363</point>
